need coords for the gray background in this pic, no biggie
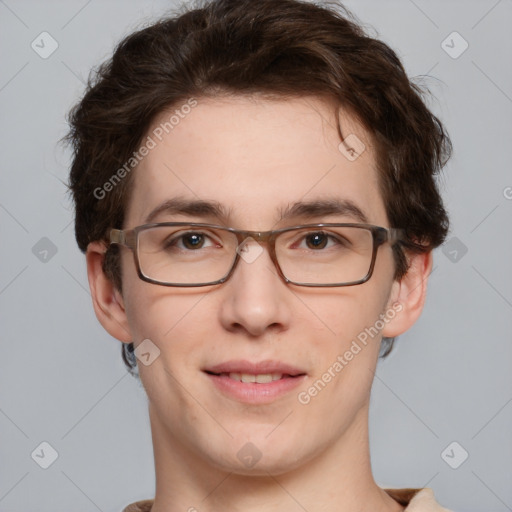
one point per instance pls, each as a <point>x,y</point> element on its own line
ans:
<point>61,376</point>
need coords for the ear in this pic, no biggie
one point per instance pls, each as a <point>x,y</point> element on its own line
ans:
<point>408,295</point>
<point>106,299</point>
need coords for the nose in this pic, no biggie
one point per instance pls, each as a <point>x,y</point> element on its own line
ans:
<point>256,299</point>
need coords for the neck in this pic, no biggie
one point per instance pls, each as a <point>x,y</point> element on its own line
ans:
<point>337,479</point>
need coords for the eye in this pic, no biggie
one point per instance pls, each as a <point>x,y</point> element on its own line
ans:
<point>316,240</point>
<point>189,241</point>
<point>320,240</point>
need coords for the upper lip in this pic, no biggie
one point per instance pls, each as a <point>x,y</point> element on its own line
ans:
<point>254,368</point>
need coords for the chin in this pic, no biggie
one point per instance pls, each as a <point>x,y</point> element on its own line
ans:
<point>261,456</point>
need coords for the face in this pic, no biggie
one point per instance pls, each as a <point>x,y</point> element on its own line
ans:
<point>255,158</point>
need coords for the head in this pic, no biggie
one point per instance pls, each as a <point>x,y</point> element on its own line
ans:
<point>253,107</point>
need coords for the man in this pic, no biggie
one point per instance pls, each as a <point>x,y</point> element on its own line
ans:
<point>255,193</point>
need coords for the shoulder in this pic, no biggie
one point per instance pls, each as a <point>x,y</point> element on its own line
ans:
<point>417,500</point>
<point>139,506</point>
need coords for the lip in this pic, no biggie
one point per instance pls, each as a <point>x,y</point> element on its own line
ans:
<point>253,368</point>
<point>254,393</point>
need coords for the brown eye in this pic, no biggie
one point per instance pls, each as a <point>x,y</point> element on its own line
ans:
<point>188,241</point>
<point>316,240</point>
<point>193,241</point>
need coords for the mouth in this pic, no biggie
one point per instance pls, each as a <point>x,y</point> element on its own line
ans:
<point>256,383</point>
<point>259,378</point>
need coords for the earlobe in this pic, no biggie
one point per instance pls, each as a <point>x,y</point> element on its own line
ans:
<point>107,301</point>
<point>408,295</point>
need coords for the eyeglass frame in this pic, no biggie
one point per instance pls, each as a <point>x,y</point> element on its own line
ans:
<point>380,235</point>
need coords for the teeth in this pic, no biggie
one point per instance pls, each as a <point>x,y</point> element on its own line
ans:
<point>261,378</point>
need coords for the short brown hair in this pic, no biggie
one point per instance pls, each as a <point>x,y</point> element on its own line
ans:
<point>278,48</point>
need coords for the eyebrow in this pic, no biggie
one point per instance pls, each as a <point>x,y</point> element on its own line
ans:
<point>298,209</point>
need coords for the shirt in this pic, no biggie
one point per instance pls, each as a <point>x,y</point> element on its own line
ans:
<point>415,500</point>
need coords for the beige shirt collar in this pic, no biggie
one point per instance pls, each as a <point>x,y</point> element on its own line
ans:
<point>415,500</point>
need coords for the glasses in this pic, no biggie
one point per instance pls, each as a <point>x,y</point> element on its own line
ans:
<point>197,254</point>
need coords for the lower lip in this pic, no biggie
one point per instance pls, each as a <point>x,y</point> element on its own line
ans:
<point>252,392</point>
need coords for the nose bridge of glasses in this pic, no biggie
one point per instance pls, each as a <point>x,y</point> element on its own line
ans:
<point>251,244</point>
<point>258,236</point>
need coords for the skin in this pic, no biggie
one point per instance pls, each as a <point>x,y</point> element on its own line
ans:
<point>254,156</point>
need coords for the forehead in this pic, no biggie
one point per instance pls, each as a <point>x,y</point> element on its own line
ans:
<point>255,156</point>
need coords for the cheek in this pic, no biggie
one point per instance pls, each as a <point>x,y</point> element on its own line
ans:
<point>344,315</point>
<point>169,318</point>
<point>151,310</point>
<point>349,322</point>
<point>179,325</point>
